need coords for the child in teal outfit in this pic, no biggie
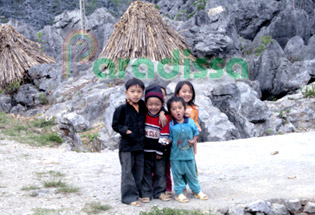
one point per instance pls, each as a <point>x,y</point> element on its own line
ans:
<point>183,134</point>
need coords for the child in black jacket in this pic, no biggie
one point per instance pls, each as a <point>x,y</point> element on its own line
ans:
<point>128,120</point>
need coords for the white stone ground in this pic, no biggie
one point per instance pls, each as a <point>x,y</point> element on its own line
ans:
<point>230,172</point>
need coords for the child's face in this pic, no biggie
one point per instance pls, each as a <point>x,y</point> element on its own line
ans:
<point>178,111</point>
<point>164,94</point>
<point>186,93</point>
<point>154,105</point>
<point>134,93</point>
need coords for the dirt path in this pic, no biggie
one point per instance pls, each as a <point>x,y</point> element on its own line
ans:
<point>230,172</point>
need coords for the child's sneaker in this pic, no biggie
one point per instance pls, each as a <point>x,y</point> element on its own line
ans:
<point>164,197</point>
<point>201,196</point>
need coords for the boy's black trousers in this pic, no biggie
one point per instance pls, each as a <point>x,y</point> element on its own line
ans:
<point>132,164</point>
<point>156,166</point>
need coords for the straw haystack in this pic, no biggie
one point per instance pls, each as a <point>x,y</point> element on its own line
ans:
<point>141,33</point>
<point>17,55</point>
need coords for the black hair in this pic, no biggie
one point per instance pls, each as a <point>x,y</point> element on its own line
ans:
<point>175,99</point>
<point>133,82</point>
<point>180,85</point>
<point>163,89</point>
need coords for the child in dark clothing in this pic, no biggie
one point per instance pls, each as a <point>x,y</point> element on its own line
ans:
<point>128,121</point>
<point>154,148</point>
<point>167,153</point>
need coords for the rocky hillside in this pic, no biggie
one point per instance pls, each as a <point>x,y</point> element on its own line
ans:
<point>40,13</point>
<point>275,38</point>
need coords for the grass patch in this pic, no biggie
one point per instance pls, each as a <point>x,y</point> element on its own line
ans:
<point>31,187</point>
<point>89,139</point>
<point>47,139</point>
<point>171,211</point>
<point>44,123</point>
<point>95,208</point>
<point>50,173</point>
<point>51,184</point>
<point>3,118</point>
<point>31,131</point>
<point>46,211</point>
<point>68,189</point>
<point>62,187</point>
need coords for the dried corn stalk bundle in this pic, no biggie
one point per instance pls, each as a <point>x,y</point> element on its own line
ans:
<point>17,55</point>
<point>141,33</point>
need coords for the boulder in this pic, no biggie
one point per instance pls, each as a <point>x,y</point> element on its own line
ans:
<point>77,121</point>
<point>5,103</point>
<point>259,206</point>
<point>28,95</point>
<point>295,49</point>
<point>278,209</point>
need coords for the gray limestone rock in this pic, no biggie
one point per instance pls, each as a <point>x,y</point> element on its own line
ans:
<point>258,206</point>
<point>309,208</point>
<point>293,205</point>
<point>28,95</point>
<point>5,103</point>
<point>295,49</point>
<point>278,209</point>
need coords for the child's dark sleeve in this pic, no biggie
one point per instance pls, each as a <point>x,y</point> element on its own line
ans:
<point>165,132</point>
<point>118,120</point>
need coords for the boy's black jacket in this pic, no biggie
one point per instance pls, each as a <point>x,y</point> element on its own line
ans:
<point>127,118</point>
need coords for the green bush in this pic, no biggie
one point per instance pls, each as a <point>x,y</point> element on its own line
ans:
<point>43,123</point>
<point>265,41</point>
<point>309,92</point>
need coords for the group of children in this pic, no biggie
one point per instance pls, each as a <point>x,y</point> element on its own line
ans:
<point>155,138</point>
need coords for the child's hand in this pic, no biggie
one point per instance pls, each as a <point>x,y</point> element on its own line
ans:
<point>163,142</point>
<point>200,130</point>
<point>192,142</point>
<point>187,113</point>
<point>162,119</point>
<point>159,157</point>
<point>128,132</point>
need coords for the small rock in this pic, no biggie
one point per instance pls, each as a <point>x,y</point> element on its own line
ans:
<point>310,208</point>
<point>293,205</point>
<point>275,153</point>
<point>278,209</point>
<point>258,206</point>
<point>236,210</point>
<point>292,177</point>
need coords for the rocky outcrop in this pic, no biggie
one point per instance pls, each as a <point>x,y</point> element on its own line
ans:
<point>271,207</point>
<point>42,13</point>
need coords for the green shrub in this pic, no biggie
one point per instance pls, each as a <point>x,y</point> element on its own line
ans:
<point>309,92</point>
<point>44,123</point>
<point>200,4</point>
<point>265,41</point>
